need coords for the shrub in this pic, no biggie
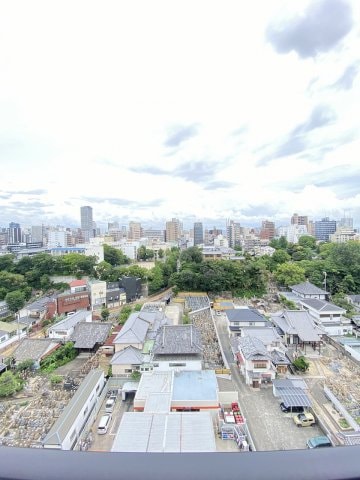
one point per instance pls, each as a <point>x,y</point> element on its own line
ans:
<point>301,364</point>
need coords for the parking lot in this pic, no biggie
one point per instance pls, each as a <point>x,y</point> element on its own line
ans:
<point>270,428</point>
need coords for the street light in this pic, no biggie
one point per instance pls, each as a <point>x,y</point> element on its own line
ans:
<point>325,274</point>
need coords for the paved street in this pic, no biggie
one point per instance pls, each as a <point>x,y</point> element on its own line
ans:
<point>270,428</point>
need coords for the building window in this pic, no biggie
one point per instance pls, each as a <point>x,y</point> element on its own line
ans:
<point>128,370</point>
<point>177,364</point>
<point>260,365</point>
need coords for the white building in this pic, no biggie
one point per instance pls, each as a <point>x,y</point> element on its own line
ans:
<point>328,316</point>
<point>65,328</point>
<point>292,233</point>
<point>67,429</point>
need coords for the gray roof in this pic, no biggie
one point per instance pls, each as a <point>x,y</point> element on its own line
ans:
<point>307,288</point>
<point>34,348</point>
<point>354,298</point>
<point>294,397</point>
<point>133,331</point>
<point>321,305</point>
<point>298,322</point>
<point>244,315</point>
<point>170,432</point>
<point>88,334</point>
<point>65,422</point>
<point>279,358</point>
<point>28,320</point>
<point>129,356</point>
<point>70,321</point>
<point>178,339</point>
<point>40,304</point>
<point>199,385</point>
<point>252,348</point>
<point>267,334</point>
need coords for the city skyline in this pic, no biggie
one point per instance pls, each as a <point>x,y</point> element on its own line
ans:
<point>197,111</point>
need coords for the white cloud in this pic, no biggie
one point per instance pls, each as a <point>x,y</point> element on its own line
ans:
<point>89,93</point>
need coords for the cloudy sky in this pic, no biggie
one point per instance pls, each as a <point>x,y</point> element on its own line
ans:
<point>200,110</point>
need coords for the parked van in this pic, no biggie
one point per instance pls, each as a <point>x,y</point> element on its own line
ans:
<point>109,405</point>
<point>104,424</point>
<point>318,442</point>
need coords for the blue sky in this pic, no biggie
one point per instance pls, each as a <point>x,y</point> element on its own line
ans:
<point>198,110</point>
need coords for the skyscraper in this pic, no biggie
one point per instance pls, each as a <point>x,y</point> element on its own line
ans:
<point>14,233</point>
<point>233,233</point>
<point>86,214</point>
<point>324,228</point>
<point>135,231</point>
<point>198,233</point>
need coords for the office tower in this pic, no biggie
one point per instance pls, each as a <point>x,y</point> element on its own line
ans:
<point>14,232</point>
<point>324,228</point>
<point>113,226</point>
<point>173,230</point>
<point>86,214</point>
<point>267,230</point>
<point>198,233</point>
<point>233,233</point>
<point>135,231</point>
<point>153,235</point>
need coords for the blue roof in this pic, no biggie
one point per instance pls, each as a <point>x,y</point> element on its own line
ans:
<point>195,385</point>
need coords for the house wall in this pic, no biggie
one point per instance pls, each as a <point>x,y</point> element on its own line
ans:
<point>177,364</point>
<point>76,428</point>
<point>6,340</point>
<point>122,346</point>
<point>73,302</point>
<point>122,369</point>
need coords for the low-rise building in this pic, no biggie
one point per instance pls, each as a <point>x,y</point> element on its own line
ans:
<point>328,316</point>
<point>254,361</point>
<point>35,349</point>
<point>72,302</point>
<point>63,329</point>
<point>89,336</point>
<point>244,317</point>
<point>309,290</point>
<point>67,429</point>
<point>11,332</point>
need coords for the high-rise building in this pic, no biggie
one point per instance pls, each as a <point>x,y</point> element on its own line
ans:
<point>37,233</point>
<point>299,220</point>
<point>346,222</point>
<point>267,230</point>
<point>14,233</point>
<point>233,234</point>
<point>113,226</point>
<point>86,214</point>
<point>198,233</point>
<point>135,231</point>
<point>324,228</point>
<point>173,230</point>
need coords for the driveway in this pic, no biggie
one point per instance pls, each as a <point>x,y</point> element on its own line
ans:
<point>270,428</point>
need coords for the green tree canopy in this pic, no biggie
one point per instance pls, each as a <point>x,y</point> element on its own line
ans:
<point>114,256</point>
<point>307,241</point>
<point>105,314</point>
<point>15,300</point>
<point>289,274</point>
<point>9,384</point>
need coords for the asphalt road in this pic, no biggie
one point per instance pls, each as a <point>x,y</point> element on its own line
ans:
<point>270,428</point>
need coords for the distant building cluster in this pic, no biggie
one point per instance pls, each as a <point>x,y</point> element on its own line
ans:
<point>215,242</point>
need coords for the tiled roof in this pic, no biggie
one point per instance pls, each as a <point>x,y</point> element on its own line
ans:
<point>321,305</point>
<point>177,339</point>
<point>34,348</point>
<point>71,320</point>
<point>298,322</point>
<point>252,348</point>
<point>129,356</point>
<point>133,331</point>
<point>78,283</point>
<point>307,288</point>
<point>88,334</point>
<point>244,315</point>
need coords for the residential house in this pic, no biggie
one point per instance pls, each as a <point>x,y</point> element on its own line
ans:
<point>244,317</point>
<point>40,309</point>
<point>64,329</point>
<point>273,343</point>
<point>35,349</point>
<point>297,328</point>
<point>97,290</point>
<point>115,295</point>
<point>4,309</point>
<point>126,361</point>
<point>88,336</point>
<point>78,286</point>
<point>308,290</point>
<point>139,327</point>
<point>177,347</point>
<point>11,332</point>
<point>328,316</point>
<point>254,361</point>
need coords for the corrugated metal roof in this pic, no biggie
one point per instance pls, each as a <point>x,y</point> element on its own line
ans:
<point>158,403</point>
<point>65,422</point>
<point>172,432</point>
<point>293,397</point>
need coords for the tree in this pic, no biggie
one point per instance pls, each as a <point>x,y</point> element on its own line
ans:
<point>301,364</point>
<point>289,274</point>
<point>105,314</point>
<point>160,253</point>
<point>191,255</point>
<point>137,307</point>
<point>9,384</point>
<point>15,300</point>
<point>114,256</point>
<point>7,262</point>
<point>125,314</point>
<point>280,256</point>
<point>307,241</point>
